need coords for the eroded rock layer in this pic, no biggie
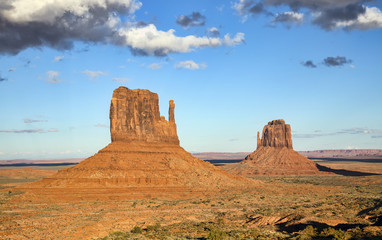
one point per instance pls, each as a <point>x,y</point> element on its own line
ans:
<point>143,160</point>
<point>275,155</point>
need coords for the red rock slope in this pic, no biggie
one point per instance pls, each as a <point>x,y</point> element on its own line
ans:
<point>275,155</point>
<point>143,160</point>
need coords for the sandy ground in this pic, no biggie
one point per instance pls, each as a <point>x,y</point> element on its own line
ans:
<point>328,200</point>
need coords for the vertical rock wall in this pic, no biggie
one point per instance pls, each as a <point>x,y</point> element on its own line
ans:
<point>276,134</point>
<point>134,116</point>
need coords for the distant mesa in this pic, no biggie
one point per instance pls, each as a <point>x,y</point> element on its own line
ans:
<point>275,155</point>
<point>143,160</point>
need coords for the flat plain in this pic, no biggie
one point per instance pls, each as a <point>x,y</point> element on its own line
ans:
<point>282,207</point>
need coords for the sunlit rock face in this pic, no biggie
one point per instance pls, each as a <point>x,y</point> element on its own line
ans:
<point>134,116</point>
<point>275,155</point>
<point>143,160</point>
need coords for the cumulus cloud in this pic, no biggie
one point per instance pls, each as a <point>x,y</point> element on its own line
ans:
<point>93,74</point>
<point>57,23</point>
<point>60,23</point>
<point>52,77</point>
<point>120,80</point>
<point>248,7</point>
<point>336,61</point>
<point>329,15</point>
<point>148,40</point>
<point>213,32</point>
<point>28,120</point>
<point>288,18</point>
<point>190,65</point>
<point>314,5</point>
<point>195,19</point>
<point>309,63</point>
<point>329,18</point>
<point>370,18</point>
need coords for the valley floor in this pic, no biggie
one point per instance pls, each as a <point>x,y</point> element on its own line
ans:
<point>296,207</point>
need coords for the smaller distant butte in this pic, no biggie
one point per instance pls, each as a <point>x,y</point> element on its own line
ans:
<point>275,155</point>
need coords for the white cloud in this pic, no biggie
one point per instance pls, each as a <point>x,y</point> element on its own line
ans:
<point>58,58</point>
<point>37,130</point>
<point>52,77</point>
<point>93,74</point>
<point>370,19</point>
<point>28,120</point>
<point>121,80</point>
<point>288,18</point>
<point>154,66</point>
<point>238,39</point>
<point>48,10</point>
<point>190,65</point>
<point>213,32</point>
<point>101,125</point>
<point>11,69</point>
<point>53,130</point>
<point>148,40</point>
<point>32,23</point>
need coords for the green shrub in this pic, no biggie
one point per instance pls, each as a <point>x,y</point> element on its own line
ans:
<point>136,229</point>
<point>152,228</point>
<point>118,236</point>
<point>308,233</point>
<point>335,234</point>
<point>217,234</point>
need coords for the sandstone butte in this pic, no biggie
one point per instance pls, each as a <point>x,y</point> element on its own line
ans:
<point>275,155</point>
<point>143,160</point>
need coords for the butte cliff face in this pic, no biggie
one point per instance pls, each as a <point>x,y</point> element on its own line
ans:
<point>276,134</point>
<point>134,116</point>
<point>143,160</point>
<point>275,155</point>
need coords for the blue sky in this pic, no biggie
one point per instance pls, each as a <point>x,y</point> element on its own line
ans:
<point>230,66</point>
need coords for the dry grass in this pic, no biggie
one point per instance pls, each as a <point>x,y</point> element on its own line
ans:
<point>281,208</point>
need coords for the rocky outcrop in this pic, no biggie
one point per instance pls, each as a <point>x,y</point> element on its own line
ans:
<point>134,116</point>
<point>143,160</point>
<point>275,155</point>
<point>276,134</point>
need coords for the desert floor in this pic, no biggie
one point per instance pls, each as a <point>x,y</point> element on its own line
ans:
<point>282,207</point>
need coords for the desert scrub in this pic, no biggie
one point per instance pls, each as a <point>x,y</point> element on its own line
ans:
<point>217,234</point>
<point>308,233</point>
<point>330,233</point>
<point>116,236</point>
<point>136,229</point>
<point>153,228</point>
